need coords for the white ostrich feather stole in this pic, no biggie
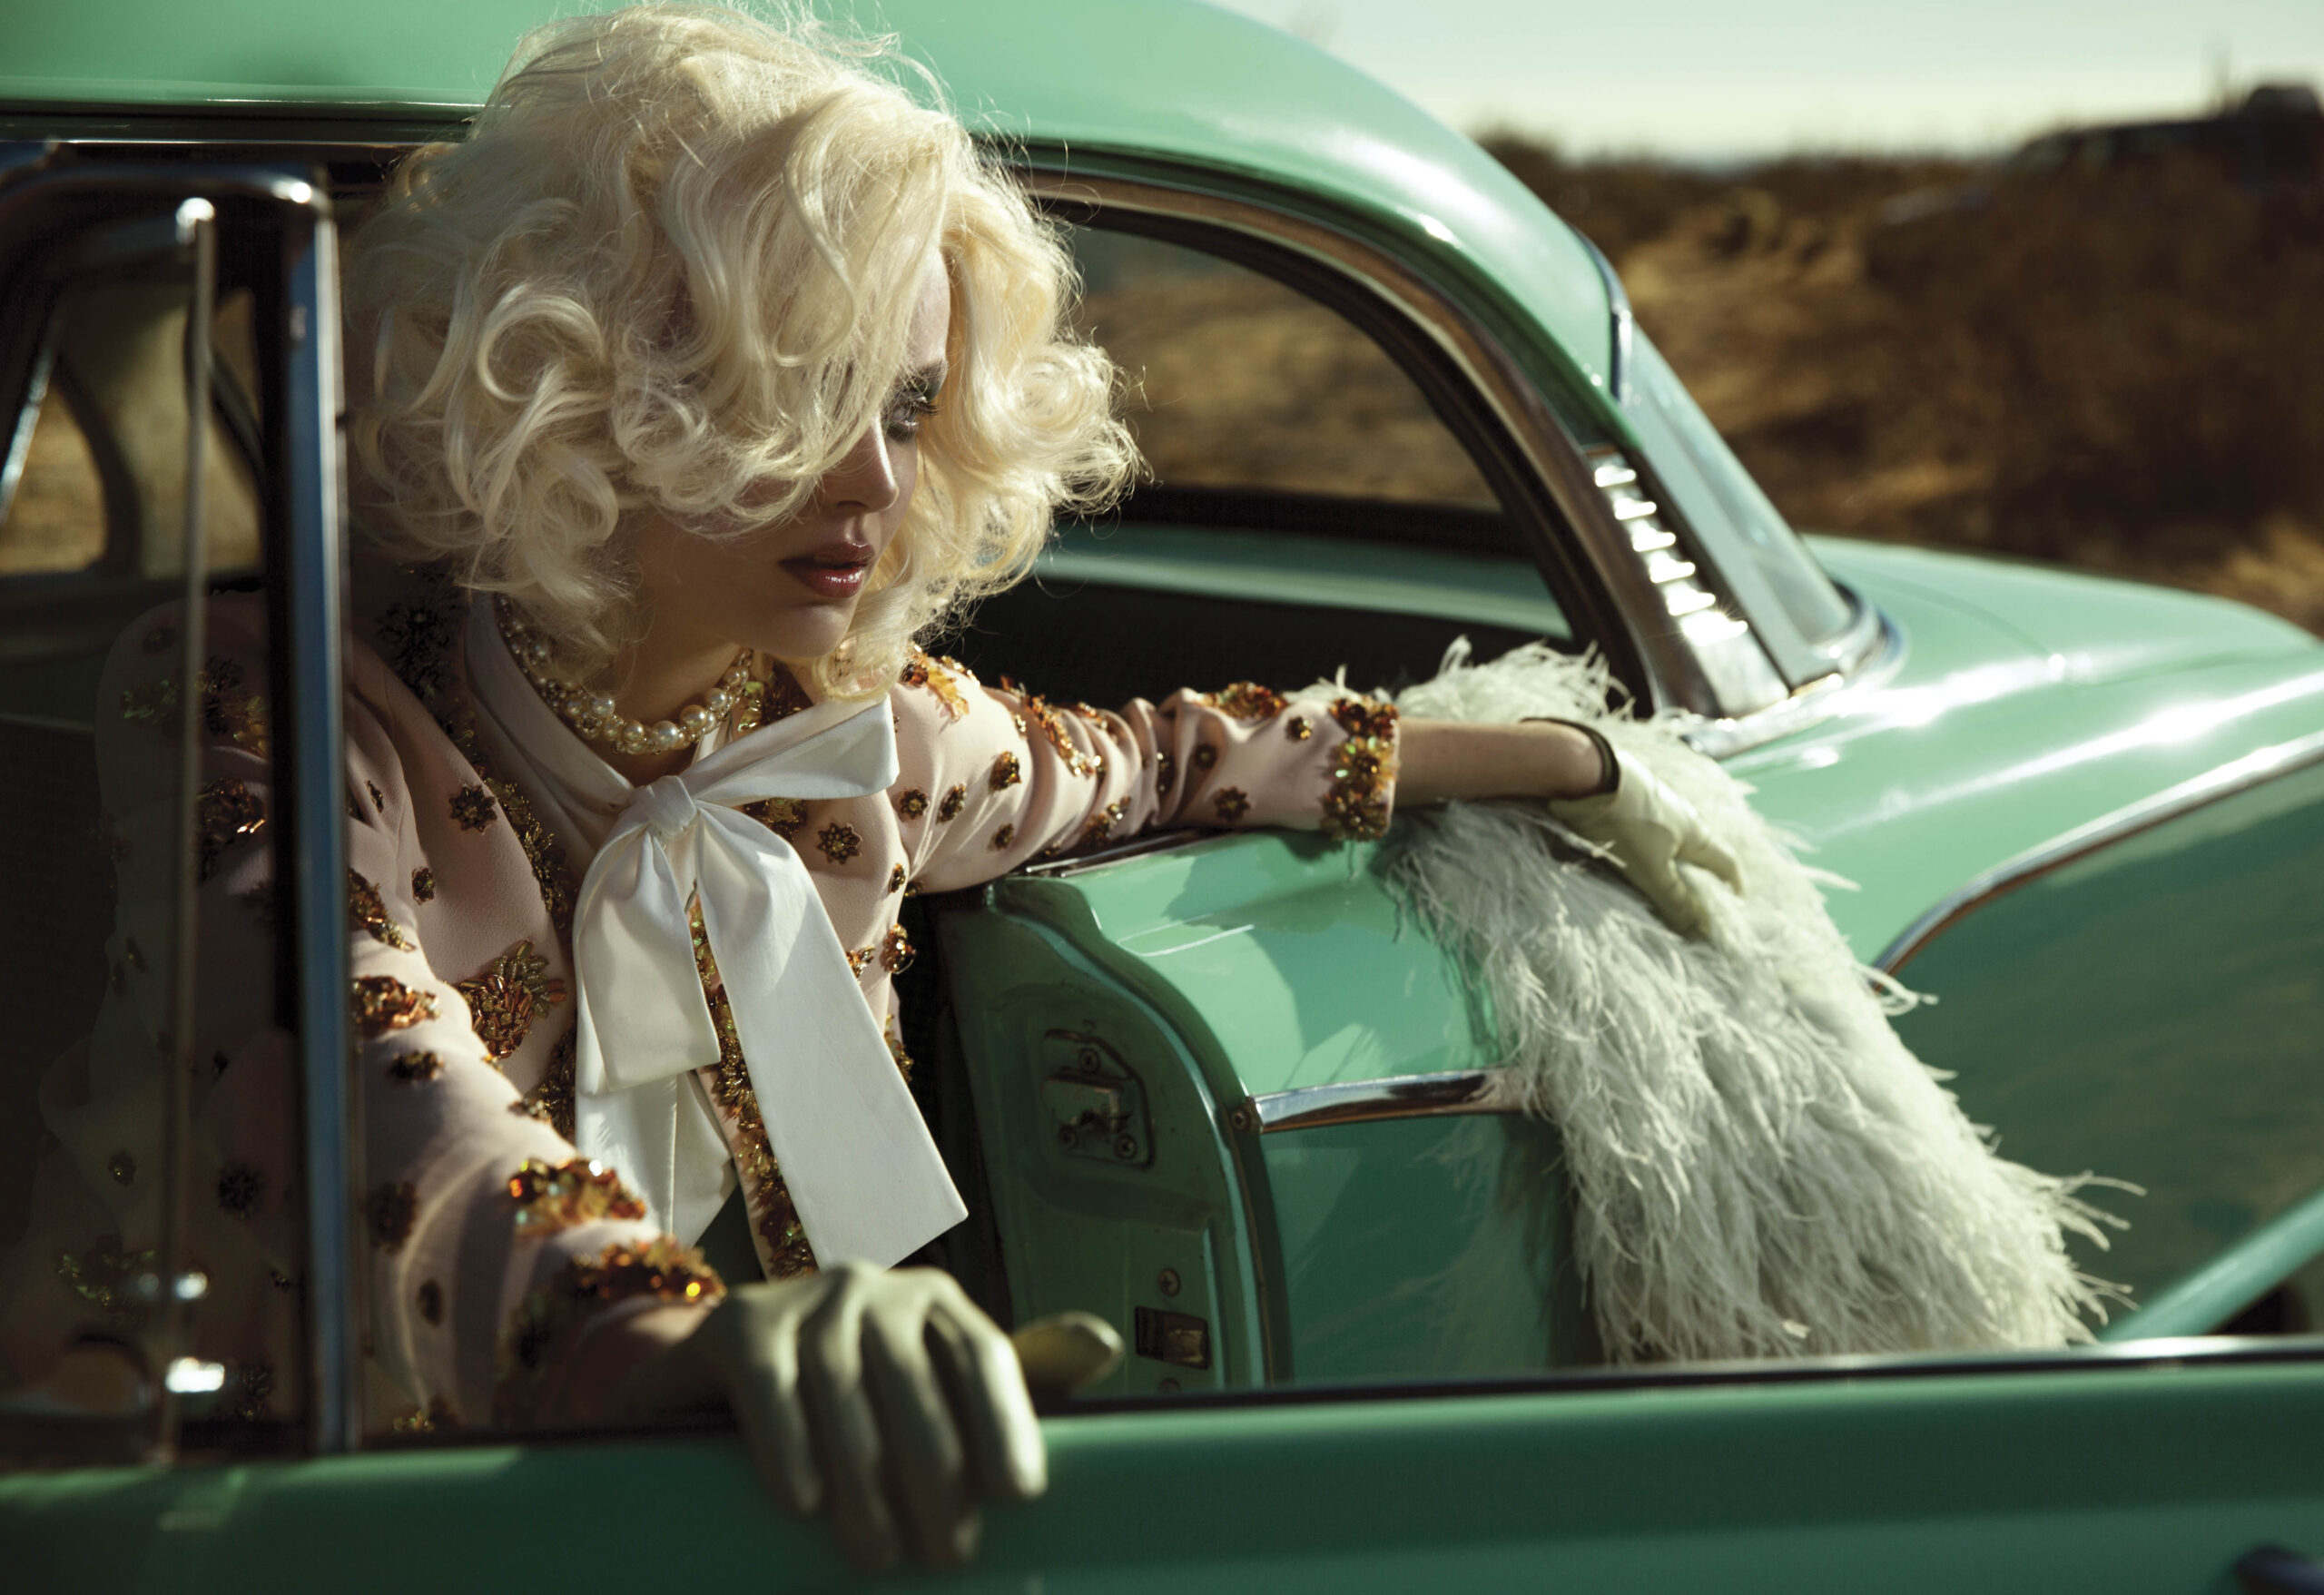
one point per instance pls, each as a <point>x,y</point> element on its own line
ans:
<point>1760,1167</point>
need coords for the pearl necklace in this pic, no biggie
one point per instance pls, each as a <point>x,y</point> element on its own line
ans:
<point>595,717</point>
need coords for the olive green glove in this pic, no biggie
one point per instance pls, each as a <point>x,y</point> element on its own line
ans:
<point>885,1399</point>
<point>1646,830</point>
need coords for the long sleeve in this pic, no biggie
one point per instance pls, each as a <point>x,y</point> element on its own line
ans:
<point>995,777</point>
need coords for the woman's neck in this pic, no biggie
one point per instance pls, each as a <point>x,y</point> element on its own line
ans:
<point>654,678</point>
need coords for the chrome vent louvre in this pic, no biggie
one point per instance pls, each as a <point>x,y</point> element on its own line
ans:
<point>1737,668</point>
<point>1668,567</point>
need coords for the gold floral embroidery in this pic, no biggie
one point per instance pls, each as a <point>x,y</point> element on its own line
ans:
<point>439,1415</point>
<point>780,696</point>
<point>153,704</point>
<point>415,636</point>
<point>896,1050</point>
<point>920,671</point>
<point>1003,838</point>
<point>414,1068</point>
<point>1166,772</point>
<point>860,959</point>
<point>912,805</point>
<point>423,884</point>
<point>1363,766</point>
<point>392,1210</point>
<point>416,633</point>
<point>786,1252</point>
<point>473,807</point>
<point>378,798</point>
<point>551,1101</point>
<point>383,1003</point>
<point>1297,729</point>
<point>895,879</point>
<point>229,711</point>
<point>241,1189</point>
<point>551,1315</point>
<point>1005,773</point>
<point>949,809</point>
<point>554,1197</point>
<point>1100,825</point>
<point>367,911</point>
<point>1205,756</point>
<point>429,1300</point>
<point>1247,700</point>
<point>1052,723</point>
<point>1230,804</point>
<point>228,812</point>
<point>895,951</point>
<point>106,1276</point>
<point>510,993</point>
<point>781,816</point>
<point>839,842</point>
<point>250,1388</point>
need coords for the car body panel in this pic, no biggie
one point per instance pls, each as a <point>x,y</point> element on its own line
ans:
<point>2140,1482</point>
<point>1194,83</point>
<point>2153,1011</point>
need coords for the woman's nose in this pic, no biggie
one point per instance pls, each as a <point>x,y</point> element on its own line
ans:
<point>864,480</point>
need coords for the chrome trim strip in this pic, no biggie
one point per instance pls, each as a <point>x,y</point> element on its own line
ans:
<point>1673,676</point>
<point>197,234</point>
<point>1623,322</point>
<point>1436,1096</point>
<point>2237,775</point>
<point>1811,704</point>
<point>314,583</point>
<point>1155,841</point>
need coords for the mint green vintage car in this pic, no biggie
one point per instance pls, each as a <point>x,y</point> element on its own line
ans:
<point>1221,1090</point>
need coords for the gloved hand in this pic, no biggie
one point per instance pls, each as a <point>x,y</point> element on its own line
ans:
<point>1648,831</point>
<point>870,1395</point>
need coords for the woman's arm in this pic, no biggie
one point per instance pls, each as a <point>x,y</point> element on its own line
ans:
<point>1447,759</point>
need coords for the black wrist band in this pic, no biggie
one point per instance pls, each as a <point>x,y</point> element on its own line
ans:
<point>1609,769</point>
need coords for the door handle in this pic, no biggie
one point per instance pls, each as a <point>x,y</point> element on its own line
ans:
<point>2273,1571</point>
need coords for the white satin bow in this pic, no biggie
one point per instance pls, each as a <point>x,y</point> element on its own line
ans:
<point>866,1178</point>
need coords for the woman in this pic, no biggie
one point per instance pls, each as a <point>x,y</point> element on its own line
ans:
<point>708,373</point>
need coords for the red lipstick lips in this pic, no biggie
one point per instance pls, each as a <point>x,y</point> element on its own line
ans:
<point>836,570</point>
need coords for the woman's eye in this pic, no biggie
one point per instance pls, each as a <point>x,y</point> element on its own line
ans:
<point>905,412</point>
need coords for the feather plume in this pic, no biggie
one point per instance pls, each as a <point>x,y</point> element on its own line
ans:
<point>1760,1167</point>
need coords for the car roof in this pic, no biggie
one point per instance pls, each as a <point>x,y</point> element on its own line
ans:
<point>1170,78</point>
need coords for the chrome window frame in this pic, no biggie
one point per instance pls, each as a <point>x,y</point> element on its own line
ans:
<point>1613,595</point>
<point>306,588</point>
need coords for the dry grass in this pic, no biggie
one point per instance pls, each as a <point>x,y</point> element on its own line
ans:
<point>2120,371</point>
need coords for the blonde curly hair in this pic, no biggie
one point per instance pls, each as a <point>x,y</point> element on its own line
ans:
<point>673,268</point>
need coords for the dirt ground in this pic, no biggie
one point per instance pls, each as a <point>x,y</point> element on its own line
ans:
<point>2119,370</point>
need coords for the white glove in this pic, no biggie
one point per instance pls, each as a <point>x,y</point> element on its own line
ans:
<point>1648,831</point>
<point>870,1395</point>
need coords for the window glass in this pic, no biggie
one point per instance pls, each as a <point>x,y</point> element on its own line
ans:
<point>102,826</point>
<point>1238,382</point>
<point>1305,508</point>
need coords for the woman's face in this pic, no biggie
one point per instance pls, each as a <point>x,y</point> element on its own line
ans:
<point>790,588</point>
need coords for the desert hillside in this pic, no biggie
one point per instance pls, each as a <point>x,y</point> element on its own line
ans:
<point>2117,366</point>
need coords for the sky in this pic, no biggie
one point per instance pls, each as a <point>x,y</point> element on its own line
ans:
<point>1714,80</point>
